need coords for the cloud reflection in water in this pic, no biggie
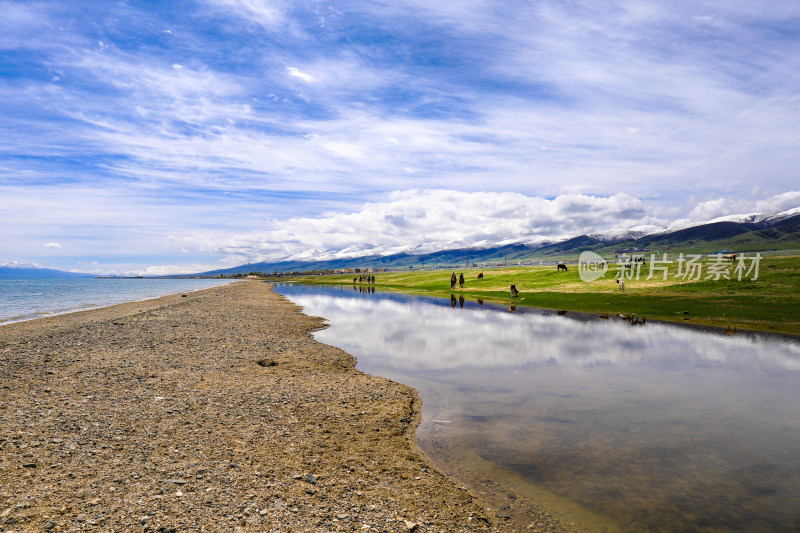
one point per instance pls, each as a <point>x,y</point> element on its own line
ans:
<point>423,336</point>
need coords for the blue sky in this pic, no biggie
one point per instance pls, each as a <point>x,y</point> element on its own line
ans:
<point>160,137</point>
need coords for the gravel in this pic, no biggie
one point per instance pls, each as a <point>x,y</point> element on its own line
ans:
<point>216,411</point>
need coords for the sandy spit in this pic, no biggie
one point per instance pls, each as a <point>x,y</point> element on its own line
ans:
<point>210,411</point>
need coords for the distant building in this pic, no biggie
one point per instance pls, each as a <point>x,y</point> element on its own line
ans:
<point>631,251</point>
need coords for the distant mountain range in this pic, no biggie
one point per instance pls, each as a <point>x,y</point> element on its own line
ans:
<point>748,232</point>
<point>23,271</point>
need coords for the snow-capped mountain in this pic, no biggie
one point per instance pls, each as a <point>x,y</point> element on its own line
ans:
<point>534,241</point>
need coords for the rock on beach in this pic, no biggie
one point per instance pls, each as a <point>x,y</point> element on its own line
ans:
<point>213,411</point>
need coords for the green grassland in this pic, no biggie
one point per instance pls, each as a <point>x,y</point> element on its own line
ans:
<point>769,303</point>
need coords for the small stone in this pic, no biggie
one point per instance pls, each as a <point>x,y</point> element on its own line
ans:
<point>143,520</point>
<point>49,526</point>
<point>262,512</point>
<point>176,481</point>
<point>341,516</point>
<point>178,493</point>
<point>94,501</point>
<point>277,505</point>
<point>411,526</point>
<point>311,479</point>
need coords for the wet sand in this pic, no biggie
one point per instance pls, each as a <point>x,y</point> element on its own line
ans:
<point>210,411</point>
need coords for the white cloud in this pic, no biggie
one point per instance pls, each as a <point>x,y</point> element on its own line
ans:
<point>267,13</point>
<point>425,220</point>
<point>722,207</point>
<point>294,72</point>
<point>52,245</point>
<point>420,221</point>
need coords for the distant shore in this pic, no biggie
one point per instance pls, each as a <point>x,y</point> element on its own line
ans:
<point>214,411</point>
<point>767,299</point>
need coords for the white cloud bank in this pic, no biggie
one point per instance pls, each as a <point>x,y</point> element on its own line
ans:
<point>419,221</point>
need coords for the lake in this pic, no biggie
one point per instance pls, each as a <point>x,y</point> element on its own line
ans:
<point>607,425</point>
<point>26,299</point>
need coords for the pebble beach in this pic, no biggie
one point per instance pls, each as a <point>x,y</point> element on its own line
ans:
<point>210,411</point>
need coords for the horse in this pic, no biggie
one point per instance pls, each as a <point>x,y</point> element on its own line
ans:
<point>621,284</point>
<point>560,267</point>
<point>480,276</point>
<point>732,257</point>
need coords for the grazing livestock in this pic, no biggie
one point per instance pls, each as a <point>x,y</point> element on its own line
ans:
<point>514,291</point>
<point>732,257</point>
<point>561,266</point>
<point>621,284</point>
<point>480,276</point>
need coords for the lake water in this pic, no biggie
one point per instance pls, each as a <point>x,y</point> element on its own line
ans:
<point>23,299</point>
<point>610,426</point>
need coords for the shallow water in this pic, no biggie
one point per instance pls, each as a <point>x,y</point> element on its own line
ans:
<point>610,426</point>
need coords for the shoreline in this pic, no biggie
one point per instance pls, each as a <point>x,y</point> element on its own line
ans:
<point>214,411</point>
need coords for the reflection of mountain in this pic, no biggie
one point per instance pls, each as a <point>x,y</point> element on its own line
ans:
<point>738,233</point>
<point>424,336</point>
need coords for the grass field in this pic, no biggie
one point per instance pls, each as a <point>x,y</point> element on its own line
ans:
<point>769,303</point>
